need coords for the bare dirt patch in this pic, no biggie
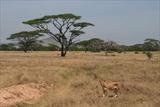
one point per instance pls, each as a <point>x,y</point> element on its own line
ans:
<point>74,82</point>
<point>17,93</point>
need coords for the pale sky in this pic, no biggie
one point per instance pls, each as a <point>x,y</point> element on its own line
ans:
<point>123,21</point>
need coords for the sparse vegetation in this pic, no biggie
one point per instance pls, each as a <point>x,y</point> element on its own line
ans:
<point>136,52</point>
<point>144,52</point>
<point>113,65</point>
<point>149,55</point>
<point>95,45</point>
<point>74,82</point>
<point>26,39</point>
<point>106,53</point>
<point>67,27</point>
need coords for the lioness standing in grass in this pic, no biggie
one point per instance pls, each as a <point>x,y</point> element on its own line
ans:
<point>108,86</point>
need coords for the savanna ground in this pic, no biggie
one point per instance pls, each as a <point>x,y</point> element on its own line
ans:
<point>73,82</point>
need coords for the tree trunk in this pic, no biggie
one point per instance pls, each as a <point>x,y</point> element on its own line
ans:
<point>63,51</point>
<point>25,48</point>
<point>25,51</point>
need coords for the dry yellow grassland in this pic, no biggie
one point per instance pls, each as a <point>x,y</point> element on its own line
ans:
<point>73,80</point>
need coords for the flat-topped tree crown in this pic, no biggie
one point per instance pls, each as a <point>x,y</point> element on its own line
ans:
<point>26,39</point>
<point>28,34</point>
<point>83,24</point>
<point>68,16</point>
<point>65,26</point>
<point>151,44</point>
<point>48,18</point>
<point>77,32</point>
<point>35,21</point>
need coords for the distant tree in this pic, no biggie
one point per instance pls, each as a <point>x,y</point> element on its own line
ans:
<point>94,45</point>
<point>7,47</point>
<point>124,47</point>
<point>151,44</point>
<point>67,29</point>
<point>136,47</point>
<point>84,45</point>
<point>26,39</point>
<point>111,46</point>
<point>53,47</point>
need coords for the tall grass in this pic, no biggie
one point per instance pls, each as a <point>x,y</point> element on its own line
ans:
<point>75,85</point>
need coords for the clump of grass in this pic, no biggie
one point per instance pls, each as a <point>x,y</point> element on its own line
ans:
<point>113,55</point>
<point>89,67</point>
<point>144,52</point>
<point>67,74</point>
<point>149,55</point>
<point>106,53</point>
<point>110,51</point>
<point>23,104</point>
<point>75,85</point>
<point>119,51</point>
<point>136,52</point>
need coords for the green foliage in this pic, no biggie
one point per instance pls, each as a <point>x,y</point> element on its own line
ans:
<point>76,48</point>
<point>77,32</point>
<point>151,44</point>
<point>94,45</point>
<point>39,47</point>
<point>148,45</point>
<point>66,25</point>
<point>83,24</point>
<point>97,45</point>
<point>26,39</point>
<point>26,35</point>
<point>136,47</point>
<point>50,18</point>
<point>52,47</point>
<point>111,46</point>
<point>7,47</point>
<point>35,21</point>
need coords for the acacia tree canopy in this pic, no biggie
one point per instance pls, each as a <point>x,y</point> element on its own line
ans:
<point>66,28</point>
<point>151,44</point>
<point>26,38</point>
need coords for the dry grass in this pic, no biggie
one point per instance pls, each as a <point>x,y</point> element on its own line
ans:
<point>75,85</point>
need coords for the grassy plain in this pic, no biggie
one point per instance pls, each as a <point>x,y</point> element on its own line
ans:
<point>74,83</point>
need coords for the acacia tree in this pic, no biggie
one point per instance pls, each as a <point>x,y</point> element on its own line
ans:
<point>95,44</point>
<point>111,46</point>
<point>66,28</point>
<point>151,44</point>
<point>26,39</point>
